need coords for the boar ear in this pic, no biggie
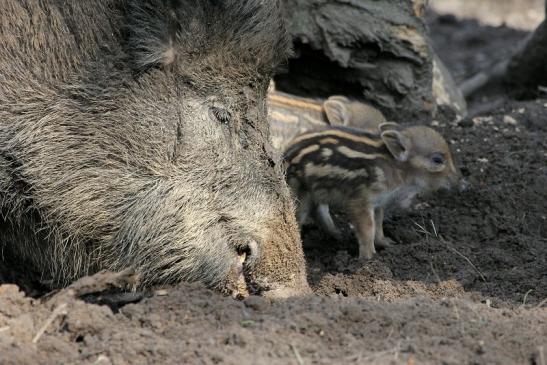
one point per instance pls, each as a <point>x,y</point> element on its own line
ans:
<point>397,143</point>
<point>337,110</point>
<point>151,27</point>
<point>389,126</point>
<point>243,36</point>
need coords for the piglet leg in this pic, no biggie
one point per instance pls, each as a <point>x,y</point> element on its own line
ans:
<point>324,219</point>
<point>362,218</point>
<point>303,210</point>
<point>380,240</point>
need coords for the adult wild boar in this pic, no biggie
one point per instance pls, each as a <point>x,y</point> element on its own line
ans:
<point>133,134</point>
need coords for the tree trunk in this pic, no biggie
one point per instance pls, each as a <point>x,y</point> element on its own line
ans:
<point>376,51</point>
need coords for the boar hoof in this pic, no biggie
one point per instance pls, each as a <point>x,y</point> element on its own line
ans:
<point>384,243</point>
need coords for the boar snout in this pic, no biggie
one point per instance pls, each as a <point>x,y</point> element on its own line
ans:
<point>279,270</point>
<point>241,284</point>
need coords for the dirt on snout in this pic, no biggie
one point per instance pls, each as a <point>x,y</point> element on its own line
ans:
<point>464,283</point>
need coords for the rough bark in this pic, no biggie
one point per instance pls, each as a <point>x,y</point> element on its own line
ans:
<point>372,50</point>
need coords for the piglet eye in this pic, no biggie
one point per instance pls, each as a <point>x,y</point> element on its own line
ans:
<point>221,115</point>
<point>437,159</point>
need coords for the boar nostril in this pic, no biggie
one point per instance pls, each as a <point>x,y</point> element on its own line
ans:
<point>248,252</point>
<point>242,257</point>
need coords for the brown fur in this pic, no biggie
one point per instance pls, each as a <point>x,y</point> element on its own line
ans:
<point>290,115</point>
<point>134,134</point>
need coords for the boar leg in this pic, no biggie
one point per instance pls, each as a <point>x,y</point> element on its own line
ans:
<point>362,218</point>
<point>324,219</point>
<point>380,240</point>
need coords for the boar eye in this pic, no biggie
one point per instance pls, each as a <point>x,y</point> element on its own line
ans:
<point>437,159</point>
<point>221,115</point>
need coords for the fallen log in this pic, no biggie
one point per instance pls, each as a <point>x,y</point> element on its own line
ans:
<point>374,51</point>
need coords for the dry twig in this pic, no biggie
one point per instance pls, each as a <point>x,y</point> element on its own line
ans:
<point>526,297</point>
<point>542,303</point>
<point>466,259</point>
<point>297,355</point>
<point>60,310</point>
<point>427,233</point>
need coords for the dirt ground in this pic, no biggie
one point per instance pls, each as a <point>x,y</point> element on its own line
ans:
<point>465,283</point>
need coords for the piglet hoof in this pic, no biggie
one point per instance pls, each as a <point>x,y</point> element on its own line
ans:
<point>366,253</point>
<point>384,243</point>
<point>337,235</point>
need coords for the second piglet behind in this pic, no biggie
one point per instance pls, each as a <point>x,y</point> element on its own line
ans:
<point>362,172</point>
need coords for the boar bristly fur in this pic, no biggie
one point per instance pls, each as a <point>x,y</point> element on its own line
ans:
<point>134,134</point>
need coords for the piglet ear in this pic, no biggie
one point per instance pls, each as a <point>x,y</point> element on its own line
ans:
<point>337,110</point>
<point>397,143</point>
<point>389,126</point>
